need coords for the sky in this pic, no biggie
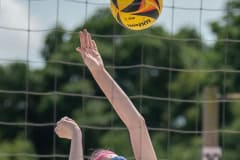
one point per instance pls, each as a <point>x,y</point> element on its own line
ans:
<point>71,13</point>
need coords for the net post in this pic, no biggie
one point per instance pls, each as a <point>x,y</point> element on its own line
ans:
<point>210,114</point>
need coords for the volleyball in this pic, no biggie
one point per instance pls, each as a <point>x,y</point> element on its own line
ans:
<point>136,14</point>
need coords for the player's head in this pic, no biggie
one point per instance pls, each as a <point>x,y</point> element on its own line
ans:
<point>102,154</point>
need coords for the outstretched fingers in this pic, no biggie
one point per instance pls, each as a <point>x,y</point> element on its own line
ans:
<point>82,39</point>
<point>93,44</point>
<point>88,39</point>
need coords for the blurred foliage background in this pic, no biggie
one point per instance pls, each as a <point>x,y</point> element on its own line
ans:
<point>65,87</point>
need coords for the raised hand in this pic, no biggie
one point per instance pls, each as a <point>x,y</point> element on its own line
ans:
<point>66,127</point>
<point>89,52</point>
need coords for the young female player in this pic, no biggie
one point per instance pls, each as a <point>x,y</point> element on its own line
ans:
<point>135,123</point>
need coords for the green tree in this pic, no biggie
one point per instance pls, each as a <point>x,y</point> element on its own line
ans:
<point>228,35</point>
<point>17,149</point>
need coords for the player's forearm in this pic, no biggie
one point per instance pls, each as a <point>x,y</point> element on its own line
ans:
<point>140,139</point>
<point>117,97</point>
<point>141,143</point>
<point>76,150</point>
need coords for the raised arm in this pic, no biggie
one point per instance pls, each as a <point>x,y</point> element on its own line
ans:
<point>140,139</point>
<point>68,129</point>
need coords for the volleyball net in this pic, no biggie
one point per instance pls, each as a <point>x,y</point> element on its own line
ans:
<point>179,75</point>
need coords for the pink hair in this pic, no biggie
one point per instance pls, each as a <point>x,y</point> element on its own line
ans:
<point>102,154</point>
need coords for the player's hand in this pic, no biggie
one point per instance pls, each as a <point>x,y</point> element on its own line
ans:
<point>89,52</point>
<point>66,127</point>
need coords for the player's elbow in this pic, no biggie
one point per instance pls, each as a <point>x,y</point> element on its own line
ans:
<point>137,123</point>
